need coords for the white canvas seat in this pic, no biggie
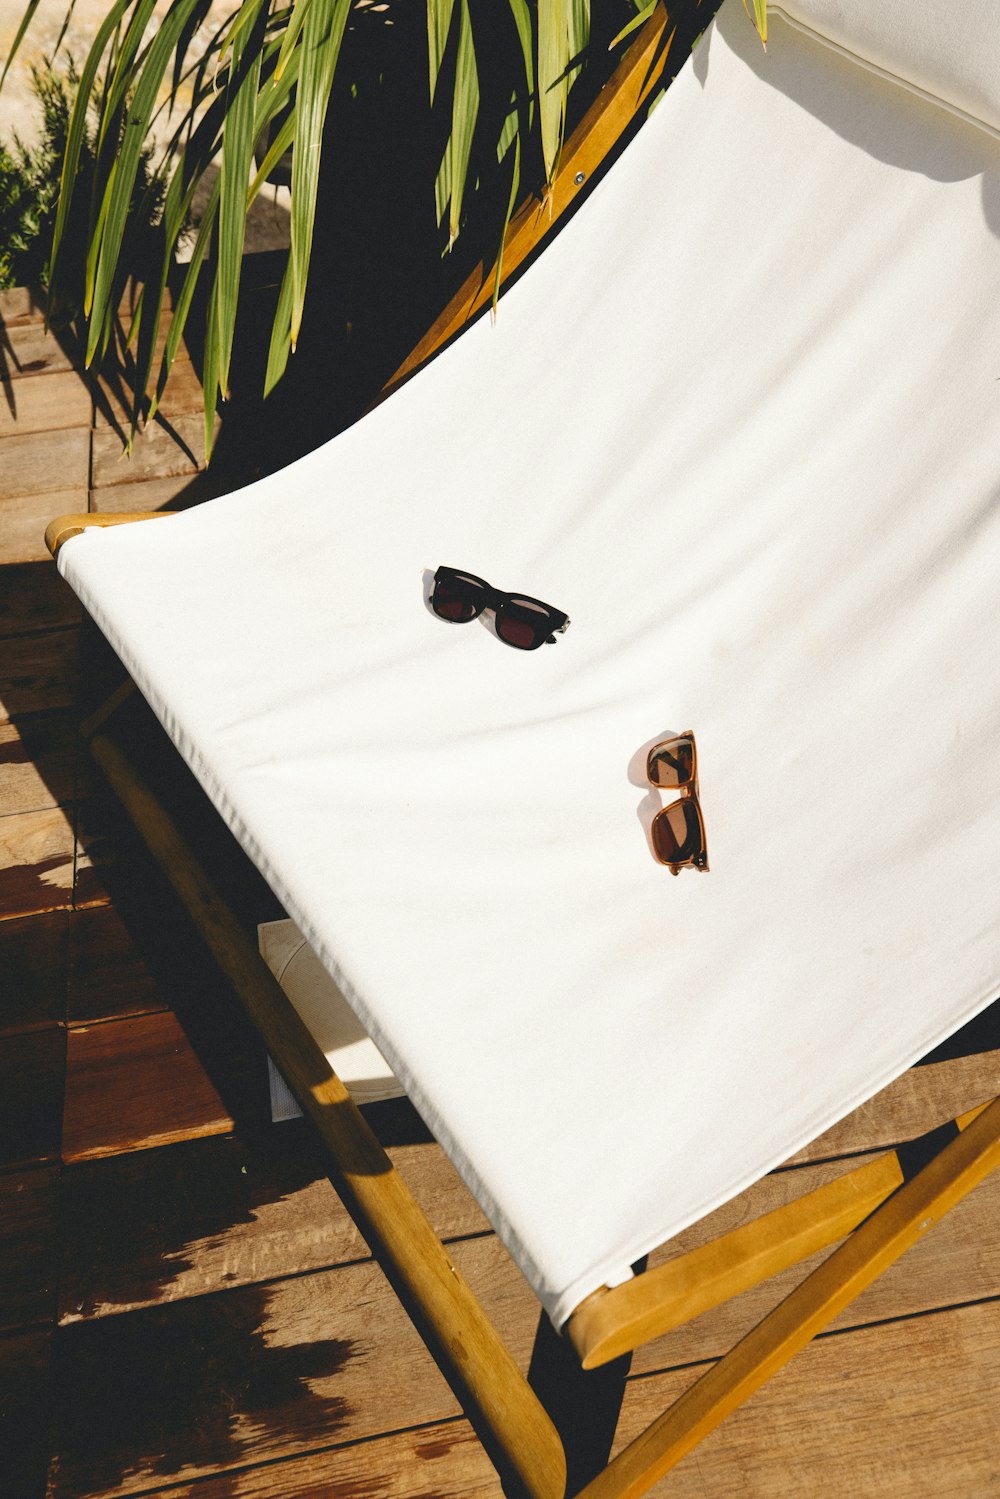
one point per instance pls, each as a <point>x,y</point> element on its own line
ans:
<point>741,423</point>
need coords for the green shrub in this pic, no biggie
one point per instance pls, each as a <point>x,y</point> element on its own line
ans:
<point>29,196</point>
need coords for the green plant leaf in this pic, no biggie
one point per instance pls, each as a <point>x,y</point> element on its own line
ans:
<point>758,15</point>
<point>563,34</point>
<point>78,125</point>
<point>238,138</point>
<point>210,373</point>
<point>453,170</point>
<point>439,13</point>
<point>553,63</point>
<point>322,33</point>
<point>464,112</point>
<point>578,32</point>
<point>182,305</point>
<point>522,23</point>
<point>515,185</point>
<point>118,193</point>
<point>176,207</point>
<point>290,37</point>
<point>275,152</point>
<point>128,49</point>
<point>281,334</point>
<point>637,20</point>
<point>26,20</point>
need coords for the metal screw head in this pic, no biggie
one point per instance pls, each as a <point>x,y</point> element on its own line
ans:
<point>580,177</point>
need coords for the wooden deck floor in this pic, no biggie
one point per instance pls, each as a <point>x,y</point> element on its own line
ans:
<point>185,1308</point>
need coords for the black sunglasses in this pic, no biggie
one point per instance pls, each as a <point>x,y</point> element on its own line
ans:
<point>522,622</point>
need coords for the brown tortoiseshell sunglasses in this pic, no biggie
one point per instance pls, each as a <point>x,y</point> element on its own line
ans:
<point>678,830</point>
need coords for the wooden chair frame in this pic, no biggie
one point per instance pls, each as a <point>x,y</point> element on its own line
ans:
<point>874,1208</point>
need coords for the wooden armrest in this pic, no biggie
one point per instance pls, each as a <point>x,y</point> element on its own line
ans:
<point>65,526</point>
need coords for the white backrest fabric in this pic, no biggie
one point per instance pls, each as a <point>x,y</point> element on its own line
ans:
<point>949,52</point>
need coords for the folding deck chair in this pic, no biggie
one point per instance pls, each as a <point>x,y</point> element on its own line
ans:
<point>741,422</point>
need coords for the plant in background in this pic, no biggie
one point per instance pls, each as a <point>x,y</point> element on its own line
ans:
<point>29,194</point>
<point>18,218</point>
<point>500,75</point>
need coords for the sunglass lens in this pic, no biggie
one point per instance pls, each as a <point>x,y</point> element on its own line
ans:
<point>455,599</point>
<point>522,624</point>
<point>671,763</point>
<point>678,834</point>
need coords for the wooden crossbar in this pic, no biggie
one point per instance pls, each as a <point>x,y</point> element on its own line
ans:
<point>611,1322</point>
<point>961,1165</point>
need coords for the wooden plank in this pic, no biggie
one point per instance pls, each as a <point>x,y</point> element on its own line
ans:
<point>48,404</point>
<point>444,1461</point>
<point>31,1066</point>
<point>38,673</point>
<point>93,854</point>
<point>24,1389</point>
<point>164,1225</point>
<point>37,762</point>
<point>901,1409</point>
<point>916,1102</point>
<point>33,965</point>
<point>21,304</point>
<point>36,862</point>
<point>135,1083</point>
<point>28,1203</point>
<point>28,350</point>
<point>45,463</point>
<point>24,515</point>
<point>176,492</point>
<point>186,978</point>
<point>234,1228</point>
<point>341,1336</point>
<point>107,974</point>
<point>160,452</point>
<point>34,597</point>
<point>183,395</point>
<point>259,1373</point>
